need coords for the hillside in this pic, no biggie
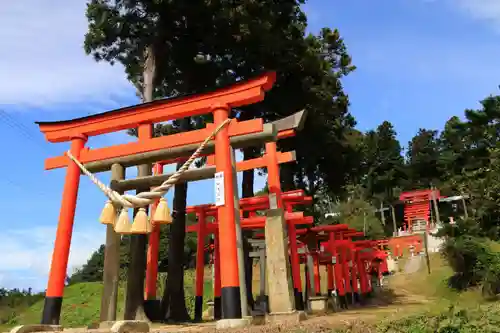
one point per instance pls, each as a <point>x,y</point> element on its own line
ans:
<point>414,302</point>
<point>82,303</point>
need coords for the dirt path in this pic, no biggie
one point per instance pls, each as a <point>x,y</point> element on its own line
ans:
<point>387,305</point>
<point>413,264</point>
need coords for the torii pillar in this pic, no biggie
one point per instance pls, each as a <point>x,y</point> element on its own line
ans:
<point>59,265</point>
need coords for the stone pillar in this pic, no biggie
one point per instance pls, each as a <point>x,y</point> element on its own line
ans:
<point>279,277</point>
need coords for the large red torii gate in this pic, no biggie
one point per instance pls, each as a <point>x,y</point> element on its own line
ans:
<point>147,150</point>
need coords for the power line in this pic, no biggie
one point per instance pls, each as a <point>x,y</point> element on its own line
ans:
<point>20,128</point>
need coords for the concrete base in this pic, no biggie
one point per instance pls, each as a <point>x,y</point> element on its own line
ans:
<point>106,324</point>
<point>289,318</point>
<point>318,303</point>
<point>130,326</point>
<point>36,328</point>
<point>258,318</point>
<point>232,323</point>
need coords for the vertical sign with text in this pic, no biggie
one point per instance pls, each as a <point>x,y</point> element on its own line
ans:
<point>219,188</point>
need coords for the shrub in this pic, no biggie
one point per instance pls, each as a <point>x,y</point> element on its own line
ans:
<point>475,262</point>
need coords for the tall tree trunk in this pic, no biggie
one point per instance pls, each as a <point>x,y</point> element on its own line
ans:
<point>173,301</point>
<point>247,192</point>
<point>286,176</point>
<point>134,306</point>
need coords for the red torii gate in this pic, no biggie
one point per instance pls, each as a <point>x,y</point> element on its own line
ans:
<point>356,259</point>
<point>332,236</point>
<point>293,234</point>
<point>417,206</point>
<point>253,222</point>
<point>148,150</point>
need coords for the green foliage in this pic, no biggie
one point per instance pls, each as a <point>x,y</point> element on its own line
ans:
<point>92,270</point>
<point>484,319</point>
<point>476,261</point>
<point>81,304</point>
<point>470,164</point>
<point>15,301</point>
<point>383,164</point>
<point>80,307</point>
<point>360,215</point>
<point>423,156</point>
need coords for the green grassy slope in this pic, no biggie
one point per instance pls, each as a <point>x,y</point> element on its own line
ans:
<point>82,302</point>
<point>434,286</point>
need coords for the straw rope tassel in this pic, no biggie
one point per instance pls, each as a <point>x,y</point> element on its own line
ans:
<point>108,215</point>
<point>123,225</point>
<point>127,201</point>
<point>162,213</point>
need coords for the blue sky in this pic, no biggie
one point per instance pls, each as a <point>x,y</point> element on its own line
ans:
<point>419,63</point>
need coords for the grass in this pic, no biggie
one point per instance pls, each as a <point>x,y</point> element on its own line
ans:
<point>82,304</point>
<point>432,297</point>
<point>434,286</point>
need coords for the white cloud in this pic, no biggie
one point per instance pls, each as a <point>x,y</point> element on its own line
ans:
<point>29,253</point>
<point>488,10</point>
<point>43,62</point>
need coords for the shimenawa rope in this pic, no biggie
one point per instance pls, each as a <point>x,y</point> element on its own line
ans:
<point>146,198</point>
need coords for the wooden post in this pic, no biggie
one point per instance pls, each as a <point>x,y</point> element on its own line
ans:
<point>382,214</point>
<point>111,272</point>
<point>427,259</point>
<point>59,265</point>
<point>436,207</point>
<point>394,221</point>
<point>466,213</point>
<point>239,239</point>
<point>134,299</point>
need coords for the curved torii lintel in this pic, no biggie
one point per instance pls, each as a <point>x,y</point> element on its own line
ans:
<point>239,94</point>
